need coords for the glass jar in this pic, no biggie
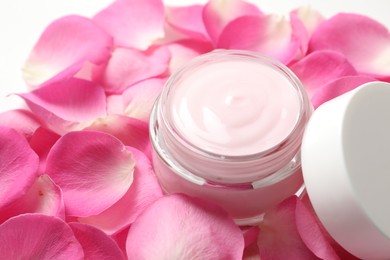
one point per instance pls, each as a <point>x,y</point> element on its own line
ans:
<point>227,128</point>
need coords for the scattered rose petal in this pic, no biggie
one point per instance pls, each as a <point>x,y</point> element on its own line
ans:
<point>338,87</point>
<point>269,35</point>
<point>142,193</point>
<point>95,243</point>
<point>18,165</point>
<point>37,236</point>
<point>115,104</point>
<point>290,231</point>
<point>321,67</point>
<point>67,105</point>
<point>251,252</point>
<point>133,23</point>
<point>120,239</point>
<point>363,41</point>
<point>129,66</point>
<point>217,14</point>
<point>179,227</point>
<point>64,47</point>
<point>23,121</point>
<point>44,196</point>
<point>93,169</point>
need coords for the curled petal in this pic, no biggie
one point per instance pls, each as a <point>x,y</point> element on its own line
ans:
<point>64,47</point>
<point>67,105</point>
<point>142,193</point>
<point>23,121</point>
<point>95,243</point>
<point>269,35</point>
<point>338,87</point>
<point>129,66</point>
<point>179,227</point>
<point>133,23</point>
<point>44,196</point>
<point>18,165</point>
<point>93,169</point>
<point>363,41</point>
<point>321,67</point>
<point>37,236</point>
<point>217,14</point>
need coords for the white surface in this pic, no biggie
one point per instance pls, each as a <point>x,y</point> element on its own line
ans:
<point>346,169</point>
<point>22,21</point>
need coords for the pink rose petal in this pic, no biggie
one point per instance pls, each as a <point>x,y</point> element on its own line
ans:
<point>37,236</point>
<point>95,243</point>
<point>142,193</point>
<point>93,169</point>
<point>68,105</point>
<point>338,87</point>
<point>44,196</point>
<point>179,227</point>
<point>23,121</point>
<point>269,35</point>
<point>363,41</point>
<point>129,66</point>
<point>64,47</point>
<point>321,67</point>
<point>133,23</point>
<point>217,14</point>
<point>18,165</point>
<point>140,98</point>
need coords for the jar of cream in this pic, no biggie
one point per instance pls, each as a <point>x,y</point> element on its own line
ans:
<point>228,128</point>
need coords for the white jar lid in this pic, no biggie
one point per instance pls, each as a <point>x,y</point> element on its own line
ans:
<point>346,168</point>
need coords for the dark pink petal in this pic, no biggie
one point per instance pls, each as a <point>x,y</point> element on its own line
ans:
<point>269,35</point>
<point>188,20</point>
<point>338,87</point>
<point>284,234</point>
<point>120,239</point>
<point>251,252</point>
<point>130,131</point>
<point>44,196</point>
<point>93,169</point>
<point>23,121</point>
<point>320,68</point>
<point>95,243</point>
<point>129,66</point>
<point>179,227</point>
<point>18,165</point>
<point>217,14</point>
<point>67,105</point>
<point>133,23</point>
<point>37,236</point>
<point>64,47</point>
<point>250,234</point>
<point>363,41</point>
<point>141,194</point>
<point>140,98</point>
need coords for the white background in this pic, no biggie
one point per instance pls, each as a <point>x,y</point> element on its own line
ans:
<point>22,21</point>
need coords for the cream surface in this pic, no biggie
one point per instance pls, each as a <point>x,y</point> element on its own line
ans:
<point>234,107</point>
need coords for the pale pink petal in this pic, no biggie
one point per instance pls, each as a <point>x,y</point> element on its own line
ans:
<point>321,67</point>
<point>130,131</point>
<point>142,193</point>
<point>23,121</point>
<point>363,41</point>
<point>44,196</point>
<point>95,243</point>
<point>283,235</point>
<point>64,47</point>
<point>269,35</point>
<point>18,165</point>
<point>129,66</point>
<point>37,236</point>
<point>179,227</point>
<point>67,105</point>
<point>188,20</point>
<point>140,98</point>
<point>338,87</point>
<point>93,169</point>
<point>185,50</point>
<point>217,14</point>
<point>115,104</point>
<point>133,23</point>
